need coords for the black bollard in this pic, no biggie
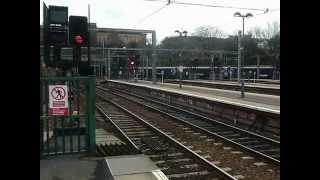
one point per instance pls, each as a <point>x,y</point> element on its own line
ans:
<point>242,89</point>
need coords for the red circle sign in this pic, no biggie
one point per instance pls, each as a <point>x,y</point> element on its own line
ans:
<point>58,93</point>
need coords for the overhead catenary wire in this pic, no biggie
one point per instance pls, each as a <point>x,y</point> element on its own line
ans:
<point>208,5</point>
<point>268,11</point>
<point>144,18</point>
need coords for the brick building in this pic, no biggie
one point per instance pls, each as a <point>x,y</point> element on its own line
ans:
<point>112,37</point>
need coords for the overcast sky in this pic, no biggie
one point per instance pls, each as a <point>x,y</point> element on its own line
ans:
<point>130,14</point>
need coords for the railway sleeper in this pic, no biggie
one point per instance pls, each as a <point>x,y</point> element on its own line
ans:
<point>127,124</point>
<point>140,135</point>
<point>232,135</point>
<point>215,130</point>
<point>177,169</point>
<point>259,146</point>
<point>277,150</point>
<point>246,143</point>
<point>240,139</point>
<point>131,127</point>
<point>223,133</point>
<point>134,129</point>
<point>124,121</point>
<point>172,155</point>
<point>138,132</point>
<point>190,174</point>
<point>277,156</point>
<point>175,160</point>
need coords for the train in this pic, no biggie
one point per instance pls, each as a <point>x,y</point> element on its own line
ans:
<point>206,72</point>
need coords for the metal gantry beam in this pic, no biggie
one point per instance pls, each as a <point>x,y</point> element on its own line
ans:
<point>175,50</point>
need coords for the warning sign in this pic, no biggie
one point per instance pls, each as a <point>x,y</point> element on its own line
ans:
<point>58,100</point>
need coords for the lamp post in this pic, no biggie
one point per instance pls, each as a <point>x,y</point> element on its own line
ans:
<point>180,67</point>
<point>238,14</point>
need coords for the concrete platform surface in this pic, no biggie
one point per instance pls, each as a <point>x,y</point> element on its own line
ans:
<point>134,167</point>
<point>71,167</point>
<point>263,102</point>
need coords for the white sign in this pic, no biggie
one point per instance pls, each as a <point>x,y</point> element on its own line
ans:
<point>58,100</point>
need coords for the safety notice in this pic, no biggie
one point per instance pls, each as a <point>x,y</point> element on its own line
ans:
<point>58,100</point>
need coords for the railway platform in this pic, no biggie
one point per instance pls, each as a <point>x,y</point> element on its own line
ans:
<point>76,166</point>
<point>247,84</point>
<point>69,167</point>
<point>83,167</point>
<point>251,87</point>
<point>261,102</point>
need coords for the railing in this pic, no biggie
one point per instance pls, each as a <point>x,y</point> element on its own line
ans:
<point>75,132</point>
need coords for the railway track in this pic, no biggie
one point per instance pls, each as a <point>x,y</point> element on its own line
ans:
<point>173,158</point>
<point>260,146</point>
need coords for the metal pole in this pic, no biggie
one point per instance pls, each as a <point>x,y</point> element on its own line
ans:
<point>78,58</point>
<point>162,76</point>
<point>243,26</point>
<point>89,55</point>
<point>243,39</point>
<point>180,78</point>
<point>94,70</point>
<point>109,62</point>
<point>154,58</point>
<point>147,71</point>
<point>180,71</point>
<point>91,113</point>
<point>104,58</point>
<point>213,73</point>
<point>101,71</point>
<point>258,66</point>
<point>239,56</point>
<point>242,89</point>
<point>99,75</point>
<point>143,67</point>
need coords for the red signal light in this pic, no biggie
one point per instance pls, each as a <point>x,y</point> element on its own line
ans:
<point>78,40</point>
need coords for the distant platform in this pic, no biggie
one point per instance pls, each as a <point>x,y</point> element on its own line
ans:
<point>261,102</point>
<point>247,84</point>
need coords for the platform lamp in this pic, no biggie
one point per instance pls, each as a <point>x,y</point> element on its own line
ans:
<point>238,14</point>
<point>180,67</point>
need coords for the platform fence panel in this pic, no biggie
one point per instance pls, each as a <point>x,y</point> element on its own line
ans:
<point>75,132</point>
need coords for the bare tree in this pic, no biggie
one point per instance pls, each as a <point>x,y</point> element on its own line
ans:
<point>208,31</point>
<point>269,32</point>
<point>269,38</point>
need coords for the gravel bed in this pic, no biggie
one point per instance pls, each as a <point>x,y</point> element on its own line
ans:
<point>217,152</point>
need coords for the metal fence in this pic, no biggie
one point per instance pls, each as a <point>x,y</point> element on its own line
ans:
<point>75,132</point>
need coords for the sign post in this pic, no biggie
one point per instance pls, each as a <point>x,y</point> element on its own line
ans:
<point>58,100</point>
